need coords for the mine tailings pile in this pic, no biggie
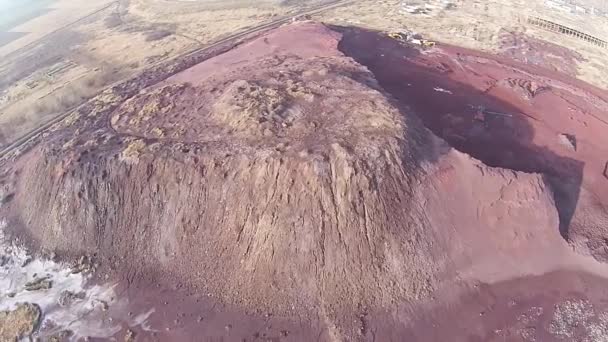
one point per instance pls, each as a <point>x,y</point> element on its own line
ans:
<point>314,177</point>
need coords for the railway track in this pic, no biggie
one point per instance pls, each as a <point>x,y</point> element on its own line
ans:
<point>234,37</point>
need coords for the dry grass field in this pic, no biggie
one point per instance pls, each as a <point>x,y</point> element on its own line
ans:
<point>484,25</point>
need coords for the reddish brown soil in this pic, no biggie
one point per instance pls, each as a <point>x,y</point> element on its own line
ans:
<point>181,315</point>
<point>529,50</point>
<point>520,309</point>
<point>289,187</point>
<point>274,47</point>
<point>543,106</point>
<point>514,310</point>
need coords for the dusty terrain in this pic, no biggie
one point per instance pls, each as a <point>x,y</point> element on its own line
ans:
<point>489,26</point>
<point>70,53</point>
<point>20,322</point>
<point>315,183</point>
<point>73,50</point>
<point>565,141</point>
<point>343,185</point>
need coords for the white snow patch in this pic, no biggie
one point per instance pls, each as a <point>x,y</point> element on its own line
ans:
<point>85,316</point>
<point>441,90</point>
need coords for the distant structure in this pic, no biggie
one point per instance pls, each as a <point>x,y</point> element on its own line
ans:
<point>597,7</point>
<point>426,7</point>
<point>559,5</point>
<point>555,27</point>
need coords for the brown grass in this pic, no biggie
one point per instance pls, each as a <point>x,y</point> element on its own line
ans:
<point>29,116</point>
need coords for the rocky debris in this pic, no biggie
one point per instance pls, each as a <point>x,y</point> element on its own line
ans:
<point>20,322</point>
<point>62,336</point>
<point>526,324</point>
<point>103,305</point>
<point>67,297</point>
<point>67,301</point>
<point>129,336</point>
<point>84,264</point>
<point>26,261</point>
<point>579,320</point>
<point>568,140</point>
<point>4,259</point>
<point>598,331</point>
<point>526,88</point>
<point>48,255</point>
<point>534,51</point>
<point>570,316</point>
<point>5,197</point>
<point>588,231</point>
<point>41,283</point>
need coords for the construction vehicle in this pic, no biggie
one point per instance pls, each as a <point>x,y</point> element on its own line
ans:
<point>481,111</point>
<point>409,37</point>
<point>400,36</point>
<point>423,42</point>
<point>427,43</point>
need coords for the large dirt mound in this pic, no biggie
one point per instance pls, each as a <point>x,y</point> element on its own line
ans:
<point>278,176</point>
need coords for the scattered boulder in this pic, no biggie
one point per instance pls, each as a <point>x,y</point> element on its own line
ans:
<point>67,297</point>
<point>42,283</point>
<point>129,336</point>
<point>84,264</point>
<point>568,140</point>
<point>62,336</point>
<point>20,322</point>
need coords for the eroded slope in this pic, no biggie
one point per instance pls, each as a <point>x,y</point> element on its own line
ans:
<point>287,182</point>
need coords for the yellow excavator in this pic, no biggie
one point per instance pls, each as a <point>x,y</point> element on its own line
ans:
<point>427,43</point>
<point>406,38</point>
<point>398,36</point>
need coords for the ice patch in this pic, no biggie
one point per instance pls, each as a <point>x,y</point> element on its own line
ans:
<point>89,310</point>
<point>441,90</point>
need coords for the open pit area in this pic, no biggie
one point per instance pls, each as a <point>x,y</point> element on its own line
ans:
<point>342,186</point>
